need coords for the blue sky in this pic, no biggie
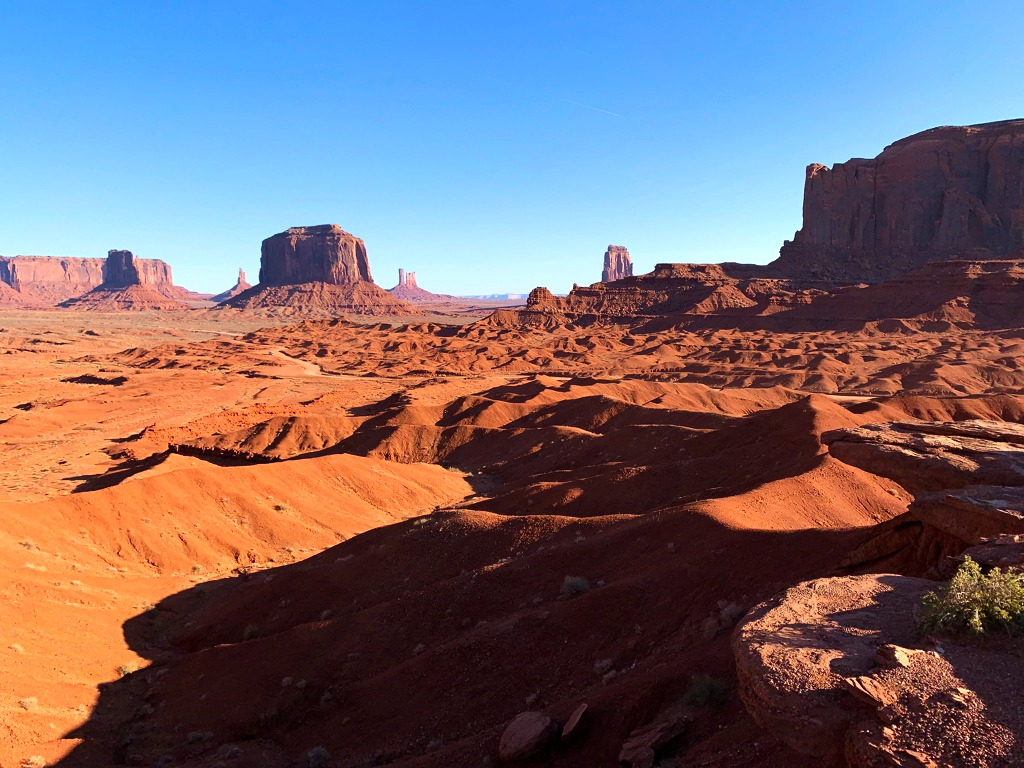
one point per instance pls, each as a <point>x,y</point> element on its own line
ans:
<point>488,146</point>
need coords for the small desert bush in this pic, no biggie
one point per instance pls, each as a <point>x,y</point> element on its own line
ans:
<point>573,586</point>
<point>705,691</point>
<point>976,602</point>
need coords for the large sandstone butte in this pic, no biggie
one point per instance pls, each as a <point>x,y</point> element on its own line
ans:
<point>48,280</point>
<point>131,284</point>
<point>944,194</point>
<point>321,254</point>
<point>317,270</point>
<point>617,264</point>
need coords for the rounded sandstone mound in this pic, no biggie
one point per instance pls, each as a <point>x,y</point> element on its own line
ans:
<point>829,668</point>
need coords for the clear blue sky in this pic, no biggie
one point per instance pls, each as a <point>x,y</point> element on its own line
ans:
<point>489,146</point>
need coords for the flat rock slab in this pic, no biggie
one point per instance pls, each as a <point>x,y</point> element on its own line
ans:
<point>794,652</point>
<point>923,456</point>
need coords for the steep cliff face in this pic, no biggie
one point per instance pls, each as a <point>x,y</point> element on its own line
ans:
<point>320,254</point>
<point>320,270</point>
<point>49,280</point>
<point>43,280</point>
<point>123,268</point>
<point>131,284</point>
<point>947,193</point>
<point>617,264</point>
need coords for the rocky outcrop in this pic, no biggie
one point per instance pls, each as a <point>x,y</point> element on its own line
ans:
<point>946,193</point>
<point>830,667</point>
<point>968,481</point>
<point>617,264</point>
<point>684,290</point>
<point>925,456</point>
<point>320,254</point>
<point>240,286</point>
<point>131,284</point>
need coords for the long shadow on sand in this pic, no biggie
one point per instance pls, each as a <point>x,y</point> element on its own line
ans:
<point>419,640</point>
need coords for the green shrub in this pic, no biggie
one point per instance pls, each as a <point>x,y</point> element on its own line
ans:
<point>975,602</point>
<point>573,586</point>
<point>705,690</point>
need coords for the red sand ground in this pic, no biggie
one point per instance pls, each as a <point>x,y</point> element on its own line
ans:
<point>360,537</point>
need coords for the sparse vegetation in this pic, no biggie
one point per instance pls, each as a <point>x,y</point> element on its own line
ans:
<point>976,602</point>
<point>29,703</point>
<point>705,691</point>
<point>251,632</point>
<point>574,586</point>
<point>126,669</point>
<point>317,757</point>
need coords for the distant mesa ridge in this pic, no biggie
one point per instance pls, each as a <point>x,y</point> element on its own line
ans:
<point>931,230</point>
<point>40,281</point>
<point>408,290</point>
<point>131,284</point>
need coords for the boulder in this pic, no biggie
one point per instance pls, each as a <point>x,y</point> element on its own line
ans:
<point>527,735</point>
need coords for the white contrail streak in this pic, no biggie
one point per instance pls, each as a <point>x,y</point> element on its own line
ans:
<point>596,109</point>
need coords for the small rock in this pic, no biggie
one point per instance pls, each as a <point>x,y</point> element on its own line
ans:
<point>892,656</point>
<point>602,666</point>
<point>527,735</point>
<point>419,649</point>
<point>573,722</point>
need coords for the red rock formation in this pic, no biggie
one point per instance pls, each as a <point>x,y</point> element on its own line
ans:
<point>240,286</point>
<point>48,280</point>
<point>131,284</point>
<point>617,264</point>
<point>324,254</point>
<point>407,290</point>
<point>321,270</point>
<point>947,193</point>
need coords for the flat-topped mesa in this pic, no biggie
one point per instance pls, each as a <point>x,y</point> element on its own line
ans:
<point>48,280</point>
<point>321,270</point>
<point>320,254</point>
<point>131,284</point>
<point>122,269</point>
<point>946,193</point>
<point>617,264</point>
